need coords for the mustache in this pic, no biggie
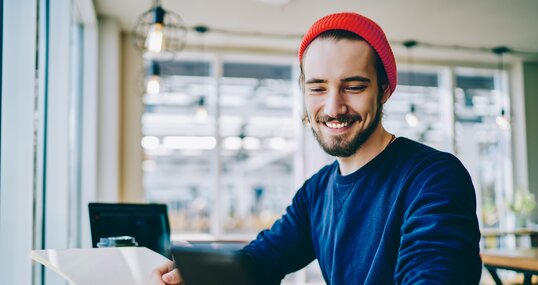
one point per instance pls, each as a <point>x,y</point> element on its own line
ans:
<point>344,118</point>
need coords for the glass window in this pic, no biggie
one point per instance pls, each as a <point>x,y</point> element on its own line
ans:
<point>471,121</point>
<point>414,110</point>
<point>257,130</point>
<point>483,139</point>
<point>249,154</point>
<point>179,143</point>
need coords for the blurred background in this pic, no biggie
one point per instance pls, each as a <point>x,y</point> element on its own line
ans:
<point>195,104</point>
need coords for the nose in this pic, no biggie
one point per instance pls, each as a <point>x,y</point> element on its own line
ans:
<point>335,104</point>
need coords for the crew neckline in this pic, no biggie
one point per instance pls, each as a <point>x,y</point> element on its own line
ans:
<point>352,177</point>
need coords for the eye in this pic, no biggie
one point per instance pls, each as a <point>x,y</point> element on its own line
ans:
<point>316,90</point>
<point>355,88</point>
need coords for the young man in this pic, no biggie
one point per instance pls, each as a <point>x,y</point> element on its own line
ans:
<point>388,210</point>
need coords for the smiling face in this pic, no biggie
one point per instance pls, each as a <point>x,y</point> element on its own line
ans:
<point>342,98</point>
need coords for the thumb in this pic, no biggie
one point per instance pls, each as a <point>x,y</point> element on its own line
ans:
<point>172,277</point>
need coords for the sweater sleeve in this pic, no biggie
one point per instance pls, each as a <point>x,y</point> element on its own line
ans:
<point>286,247</point>
<point>440,235</point>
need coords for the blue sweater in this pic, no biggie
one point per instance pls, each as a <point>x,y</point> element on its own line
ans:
<point>406,217</point>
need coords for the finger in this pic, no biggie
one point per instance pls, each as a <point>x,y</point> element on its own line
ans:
<point>172,277</point>
<point>156,278</point>
<point>157,273</point>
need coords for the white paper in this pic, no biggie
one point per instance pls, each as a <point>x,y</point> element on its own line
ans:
<point>103,266</point>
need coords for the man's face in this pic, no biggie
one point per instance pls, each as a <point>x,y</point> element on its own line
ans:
<point>342,98</point>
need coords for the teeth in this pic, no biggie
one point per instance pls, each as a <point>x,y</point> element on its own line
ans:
<point>336,125</point>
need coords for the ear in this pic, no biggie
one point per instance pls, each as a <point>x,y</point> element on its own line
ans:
<point>305,119</point>
<point>386,94</point>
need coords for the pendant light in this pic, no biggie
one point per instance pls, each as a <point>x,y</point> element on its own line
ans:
<point>503,119</point>
<point>153,79</point>
<point>411,117</point>
<point>201,111</point>
<point>158,30</point>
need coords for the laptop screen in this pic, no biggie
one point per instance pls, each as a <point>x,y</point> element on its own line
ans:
<point>147,223</point>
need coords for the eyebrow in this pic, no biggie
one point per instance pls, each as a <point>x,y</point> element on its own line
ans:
<point>356,78</point>
<point>315,80</point>
<point>347,79</point>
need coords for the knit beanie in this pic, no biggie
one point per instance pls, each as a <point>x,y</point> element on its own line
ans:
<point>362,26</point>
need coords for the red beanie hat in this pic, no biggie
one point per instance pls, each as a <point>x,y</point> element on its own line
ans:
<point>361,26</point>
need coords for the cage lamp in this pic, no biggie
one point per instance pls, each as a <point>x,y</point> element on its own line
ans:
<point>158,30</point>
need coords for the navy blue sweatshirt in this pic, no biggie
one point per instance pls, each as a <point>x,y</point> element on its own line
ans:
<point>406,217</point>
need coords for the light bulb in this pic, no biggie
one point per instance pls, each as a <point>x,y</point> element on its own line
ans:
<point>153,86</point>
<point>411,119</point>
<point>201,113</point>
<point>150,142</point>
<point>503,122</point>
<point>155,39</point>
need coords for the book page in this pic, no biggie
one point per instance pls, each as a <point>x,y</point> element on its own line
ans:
<point>104,266</point>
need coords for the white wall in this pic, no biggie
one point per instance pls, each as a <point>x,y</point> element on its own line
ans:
<point>109,107</point>
<point>131,122</point>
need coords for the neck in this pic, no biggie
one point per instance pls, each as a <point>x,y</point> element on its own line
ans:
<point>373,146</point>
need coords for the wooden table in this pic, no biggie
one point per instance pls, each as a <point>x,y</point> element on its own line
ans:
<point>520,260</point>
<point>498,235</point>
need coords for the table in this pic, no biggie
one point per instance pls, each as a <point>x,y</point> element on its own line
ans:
<point>497,235</point>
<point>520,260</point>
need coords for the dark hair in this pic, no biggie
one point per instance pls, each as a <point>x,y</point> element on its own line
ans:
<point>382,79</point>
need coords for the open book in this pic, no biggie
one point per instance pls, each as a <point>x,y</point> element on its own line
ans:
<point>103,266</point>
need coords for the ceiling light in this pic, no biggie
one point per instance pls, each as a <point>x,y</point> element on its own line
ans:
<point>158,30</point>
<point>150,142</point>
<point>251,143</point>
<point>190,143</point>
<point>411,117</point>
<point>232,143</point>
<point>201,111</point>
<point>277,143</point>
<point>502,120</point>
<point>153,81</point>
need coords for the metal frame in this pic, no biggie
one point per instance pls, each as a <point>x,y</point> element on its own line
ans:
<point>492,269</point>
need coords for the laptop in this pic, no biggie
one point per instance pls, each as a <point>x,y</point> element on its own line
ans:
<point>212,264</point>
<point>147,223</point>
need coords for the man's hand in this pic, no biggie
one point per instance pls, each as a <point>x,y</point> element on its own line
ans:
<point>166,274</point>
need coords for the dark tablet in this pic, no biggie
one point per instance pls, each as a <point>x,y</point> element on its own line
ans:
<point>212,264</point>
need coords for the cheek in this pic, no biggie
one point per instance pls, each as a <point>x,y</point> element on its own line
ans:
<point>367,109</point>
<point>312,104</point>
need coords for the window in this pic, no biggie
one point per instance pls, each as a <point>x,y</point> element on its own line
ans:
<point>179,143</point>
<point>483,140</point>
<point>469,118</point>
<point>222,161</point>
<point>415,110</point>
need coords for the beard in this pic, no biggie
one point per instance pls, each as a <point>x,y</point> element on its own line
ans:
<point>339,146</point>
